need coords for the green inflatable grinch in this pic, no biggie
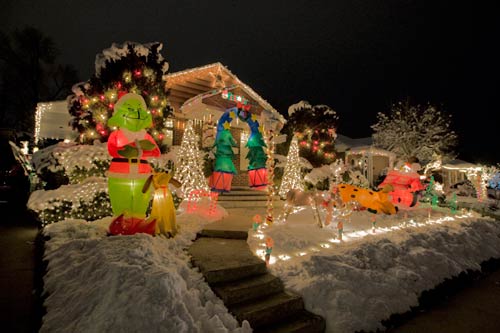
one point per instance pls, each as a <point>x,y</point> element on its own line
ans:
<point>129,145</point>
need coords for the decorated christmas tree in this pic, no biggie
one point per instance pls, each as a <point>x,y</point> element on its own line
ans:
<point>292,177</point>
<point>189,170</point>
<point>224,154</point>
<point>256,156</point>
<point>315,128</point>
<point>129,67</point>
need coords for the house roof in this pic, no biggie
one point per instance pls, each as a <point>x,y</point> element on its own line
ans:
<point>458,164</point>
<point>207,81</point>
<point>343,143</point>
<point>55,118</point>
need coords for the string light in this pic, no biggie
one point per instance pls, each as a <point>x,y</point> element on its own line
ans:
<point>292,178</point>
<point>189,169</point>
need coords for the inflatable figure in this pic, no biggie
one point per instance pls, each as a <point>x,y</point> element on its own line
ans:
<point>373,201</point>
<point>405,186</point>
<point>163,209</point>
<point>129,146</point>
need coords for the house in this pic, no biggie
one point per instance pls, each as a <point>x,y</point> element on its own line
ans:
<point>456,171</point>
<point>52,122</point>
<point>194,93</point>
<point>362,154</point>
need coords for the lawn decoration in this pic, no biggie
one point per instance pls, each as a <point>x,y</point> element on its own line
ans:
<point>163,208</point>
<point>220,180</point>
<point>129,145</point>
<point>269,249</point>
<point>373,201</point>
<point>129,225</point>
<point>453,203</point>
<point>224,169</point>
<point>295,198</point>
<point>257,221</point>
<point>405,187</point>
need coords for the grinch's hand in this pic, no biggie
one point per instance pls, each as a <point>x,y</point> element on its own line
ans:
<point>129,151</point>
<point>146,145</point>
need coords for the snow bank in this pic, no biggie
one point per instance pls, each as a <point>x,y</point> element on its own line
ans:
<point>368,277</point>
<point>139,283</point>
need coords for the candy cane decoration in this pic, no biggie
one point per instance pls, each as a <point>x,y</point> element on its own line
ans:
<point>270,175</point>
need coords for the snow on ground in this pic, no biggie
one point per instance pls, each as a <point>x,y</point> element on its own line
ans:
<point>139,283</point>
<point>357,283</point>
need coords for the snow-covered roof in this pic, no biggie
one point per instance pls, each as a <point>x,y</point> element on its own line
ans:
<point>458,164</point>
<point>52,121</point>
<point>343,143</point>
<point>184,86</point>
<point>372,150</point>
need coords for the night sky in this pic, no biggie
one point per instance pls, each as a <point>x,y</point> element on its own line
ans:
<point>357,56</point>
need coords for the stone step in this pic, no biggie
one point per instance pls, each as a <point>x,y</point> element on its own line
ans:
<point>268,310</point>
<point>244,193</point>
<point>243,188</point>
<point>243,204</point>
<point>243,198</point>
<point>248,289</point>
<point>222,259</point>
<point>216,233</point>
<point>301,322</point>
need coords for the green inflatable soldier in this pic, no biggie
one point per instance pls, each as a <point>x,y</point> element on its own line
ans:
<point>129,146</point>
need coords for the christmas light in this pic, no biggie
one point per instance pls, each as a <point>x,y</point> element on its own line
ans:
<point>189,170</point>
<point>292,178</point>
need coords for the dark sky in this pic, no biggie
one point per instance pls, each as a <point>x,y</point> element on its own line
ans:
<point>357,56</point>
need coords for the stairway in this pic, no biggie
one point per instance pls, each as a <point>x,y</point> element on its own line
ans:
<point>245,197</point>
<point>250,293</point>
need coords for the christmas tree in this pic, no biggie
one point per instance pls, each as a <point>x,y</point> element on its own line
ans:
<point>314,127</point>
<point>291,178</point>
<point>189,170</point>
<point>224,154</point>
<point>130,67</point>
<point>256,155</point>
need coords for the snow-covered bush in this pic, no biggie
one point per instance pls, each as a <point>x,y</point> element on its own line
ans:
<point>87,200</point>
<point>464,188</point>
<point>65,163</point>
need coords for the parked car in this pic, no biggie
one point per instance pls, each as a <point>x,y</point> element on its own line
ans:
<point>15,172</point>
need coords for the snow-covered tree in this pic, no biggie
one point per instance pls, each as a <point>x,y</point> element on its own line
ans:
<point>415,131</point>
<point>189,169</point>
<point>120,69</point>
<point>292,178</point>
<point>314,127</point>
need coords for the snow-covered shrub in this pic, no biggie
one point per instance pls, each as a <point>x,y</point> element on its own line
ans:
<point>464,188</point>
<point>87,200</point>
<point>65,163</point>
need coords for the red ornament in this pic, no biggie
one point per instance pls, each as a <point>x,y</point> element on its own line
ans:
<point>102,97</point>
<point>119,85</point>
<point>257,178</point>
<point>137,72</point>
<point>220,181</point>
<point>111,105</point>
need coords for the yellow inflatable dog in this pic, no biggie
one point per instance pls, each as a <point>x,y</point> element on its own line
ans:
<point>373,201</point>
